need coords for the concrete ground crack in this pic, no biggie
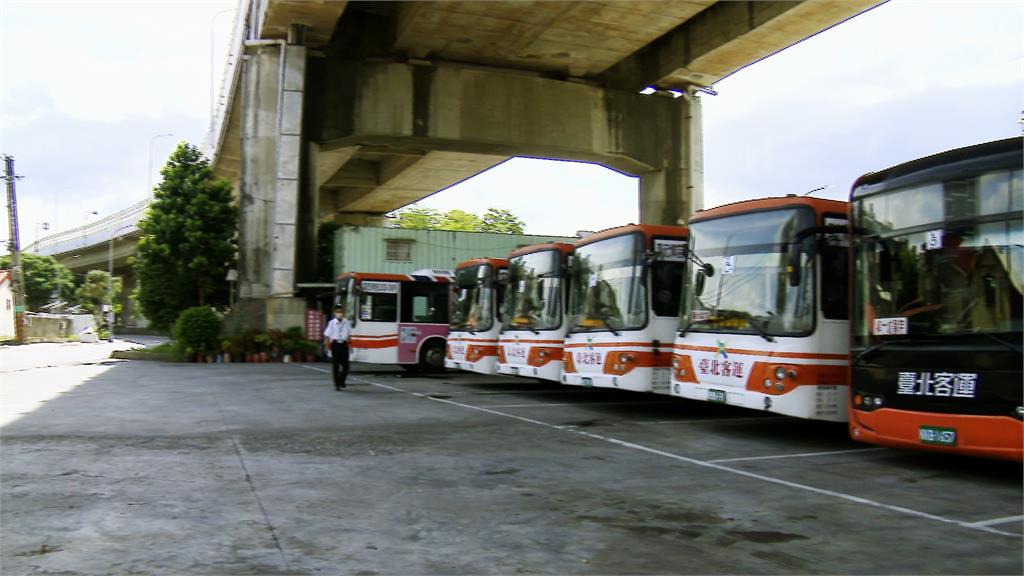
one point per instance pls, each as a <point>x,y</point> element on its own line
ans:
<point>252,487</point>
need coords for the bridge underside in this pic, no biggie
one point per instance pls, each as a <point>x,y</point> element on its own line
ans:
<point>361,108</point>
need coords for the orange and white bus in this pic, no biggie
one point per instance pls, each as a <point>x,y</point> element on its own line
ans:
<point>765,324</point>
<point>397,318</point>
<point>534,327</point>
<point>938,312</point>
<point>478,293</point>
<point>625,287</point>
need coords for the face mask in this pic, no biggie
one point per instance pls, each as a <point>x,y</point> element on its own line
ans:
<point>339,315</point>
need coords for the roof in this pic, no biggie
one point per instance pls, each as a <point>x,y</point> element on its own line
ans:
<point>562,247</point>
<point>647,230</point>
<point>392,277</point>
<point>819,205</point>
<point>495,262</point>
<point>1010,148</point>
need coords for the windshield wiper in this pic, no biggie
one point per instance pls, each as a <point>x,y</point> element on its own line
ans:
<point>761,330</point>
<point>608,324</point>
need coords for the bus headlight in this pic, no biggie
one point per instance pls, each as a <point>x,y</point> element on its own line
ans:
<point>780,372</point>
<point>1019,412</point>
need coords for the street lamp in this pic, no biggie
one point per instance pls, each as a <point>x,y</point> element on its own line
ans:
<point>46,227</point>
<point>110,282</point>
<point>149,174</point>
<point>85,222</point>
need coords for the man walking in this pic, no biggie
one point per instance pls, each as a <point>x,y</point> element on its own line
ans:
<point>336,337</point>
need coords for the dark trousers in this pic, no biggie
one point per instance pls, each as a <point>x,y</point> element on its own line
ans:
<point>339,357</point>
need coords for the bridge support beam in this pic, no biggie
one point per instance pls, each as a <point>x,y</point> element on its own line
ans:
<point>445,123</point>
<point>273,248</point>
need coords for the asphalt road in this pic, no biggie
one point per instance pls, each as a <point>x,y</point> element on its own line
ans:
<point>144,467</point>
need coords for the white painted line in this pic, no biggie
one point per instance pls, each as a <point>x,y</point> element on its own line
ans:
<point>996,521</point>
<point>803,455</point>
<point>534,405</point>
<point>714,420</point>
<point>714,466</point>
<point>581,403</point>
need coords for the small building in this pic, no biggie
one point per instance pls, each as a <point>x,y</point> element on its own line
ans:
<point>402,250</point>
<point>7,327</point>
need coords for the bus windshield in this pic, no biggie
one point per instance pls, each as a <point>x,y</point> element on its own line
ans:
<point>472,299</point>
<point>534,299</point>
<point>748,290</point>
<point>608,291</point>
<point>941,258</point>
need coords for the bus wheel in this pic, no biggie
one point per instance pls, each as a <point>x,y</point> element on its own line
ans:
<point>432,357</point>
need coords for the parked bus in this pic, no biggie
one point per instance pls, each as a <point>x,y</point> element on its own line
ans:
<point>765,325</point>
<point>397,318</point>
<point>625,286</point>
<point>938,256</point>
<point>535,323</point>
<point>477,297</point>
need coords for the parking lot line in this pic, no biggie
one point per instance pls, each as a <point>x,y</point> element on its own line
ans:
<point>705,464</point>
<point>582,403</point>
<point>997,521</point>
<point>801,455</point>
<point>716,420</point>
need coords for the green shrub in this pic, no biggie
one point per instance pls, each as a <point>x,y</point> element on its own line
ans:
<point>197,328</point>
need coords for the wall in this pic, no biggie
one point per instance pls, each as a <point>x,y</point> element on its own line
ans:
<point>362,248</point>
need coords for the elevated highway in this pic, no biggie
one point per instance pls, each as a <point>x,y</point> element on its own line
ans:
<point>334,110</point>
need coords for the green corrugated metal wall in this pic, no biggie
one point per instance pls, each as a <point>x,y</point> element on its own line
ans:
<point>362,248</point>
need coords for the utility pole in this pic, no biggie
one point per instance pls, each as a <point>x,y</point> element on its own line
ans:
<point>17,274</point>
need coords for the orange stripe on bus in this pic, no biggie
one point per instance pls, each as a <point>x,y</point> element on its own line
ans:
<point>806,355</point>
<point>616,344</point>
<point>526,341</point>
<point>364,343</point>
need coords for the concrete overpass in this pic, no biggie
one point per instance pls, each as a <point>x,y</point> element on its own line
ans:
<point>94,246</point>
<point>348,110</point>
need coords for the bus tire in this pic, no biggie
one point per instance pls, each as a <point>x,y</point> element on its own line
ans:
<point>432,356</point>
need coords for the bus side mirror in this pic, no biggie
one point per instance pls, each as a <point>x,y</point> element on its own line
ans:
<point>704,272</point>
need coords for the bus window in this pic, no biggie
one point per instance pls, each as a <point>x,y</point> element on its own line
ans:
<point>666,280</point>
<point>377,307</point>
<point>425,303</point>
<point>834,282</point>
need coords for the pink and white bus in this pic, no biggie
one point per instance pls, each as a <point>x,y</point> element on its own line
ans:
<point>397,318</point>
<point>535,320</point>
<point>477,297</point>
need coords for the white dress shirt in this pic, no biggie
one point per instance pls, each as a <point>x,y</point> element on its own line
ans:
<point>338,330</point>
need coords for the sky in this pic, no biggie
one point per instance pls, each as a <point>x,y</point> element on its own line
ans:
<point>91,89</point>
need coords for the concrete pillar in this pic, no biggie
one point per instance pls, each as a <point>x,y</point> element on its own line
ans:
<point>671,195</point>
<point>274,79</point>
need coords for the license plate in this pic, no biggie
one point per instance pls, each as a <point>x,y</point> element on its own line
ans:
<point>716,396</point>
<point>587,381</point>
<point>937,436</point>
<point>514,370</point>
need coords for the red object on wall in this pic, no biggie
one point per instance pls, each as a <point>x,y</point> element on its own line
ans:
<point>314,324</point>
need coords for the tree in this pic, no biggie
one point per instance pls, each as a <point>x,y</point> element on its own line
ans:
<point>95,292</point>
<point>45,277</point>
<point>494,220</point>
<point>502,221</point>
<point>460,220</point>
<point>418,218</point>
<point>188,239</point>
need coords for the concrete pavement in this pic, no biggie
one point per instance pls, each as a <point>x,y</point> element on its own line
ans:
<point>143,467</point>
